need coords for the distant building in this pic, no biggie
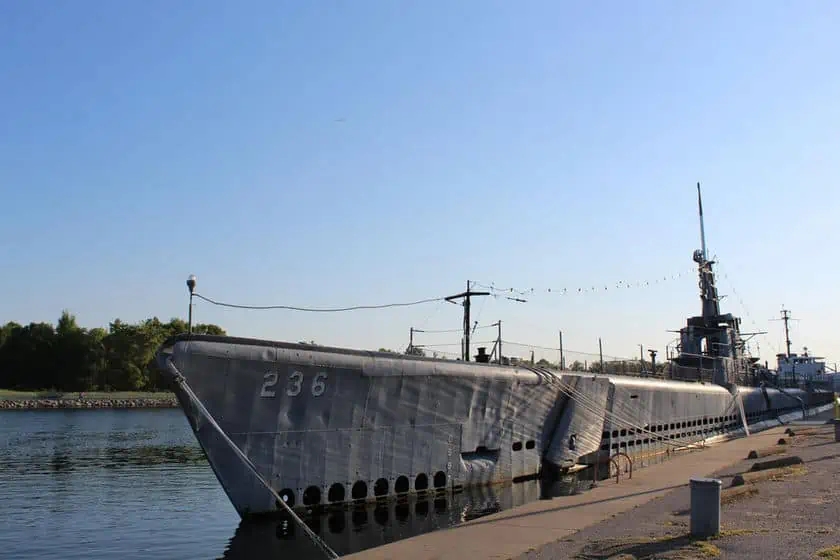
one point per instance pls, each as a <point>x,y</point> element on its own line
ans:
<point>797,369</point>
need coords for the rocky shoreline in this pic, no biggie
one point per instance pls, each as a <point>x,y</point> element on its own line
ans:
<point>31,404</point>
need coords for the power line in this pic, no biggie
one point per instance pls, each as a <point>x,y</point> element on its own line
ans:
<point>441,345</point>
<point>568,351</point>
<point>316,309</point>
<point>451,330</point>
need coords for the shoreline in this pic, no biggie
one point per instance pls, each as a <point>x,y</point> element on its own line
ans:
<point>164,400</point>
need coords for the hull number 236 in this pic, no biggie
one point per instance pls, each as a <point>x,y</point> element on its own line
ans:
<point>294,384</point>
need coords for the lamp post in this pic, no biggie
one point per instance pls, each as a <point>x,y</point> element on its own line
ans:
<point>191,286</point>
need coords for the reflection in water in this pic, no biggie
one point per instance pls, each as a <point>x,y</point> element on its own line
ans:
<point>59,458</point>
<point>350,529</point>
<point>134,484</point>
<point>101,484</point>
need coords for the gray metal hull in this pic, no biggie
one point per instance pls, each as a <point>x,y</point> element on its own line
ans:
<point>326,425</point>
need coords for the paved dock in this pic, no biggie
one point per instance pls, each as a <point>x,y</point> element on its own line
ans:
<point>556,528</point>
<point>788,513</point>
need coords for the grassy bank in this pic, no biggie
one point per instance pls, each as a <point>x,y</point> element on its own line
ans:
<point>6,394</point>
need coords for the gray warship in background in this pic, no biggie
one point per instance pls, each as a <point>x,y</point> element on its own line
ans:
<point>321,425</point>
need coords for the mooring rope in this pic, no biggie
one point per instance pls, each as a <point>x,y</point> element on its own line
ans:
<point>182,382</point>
<point>590,405</point>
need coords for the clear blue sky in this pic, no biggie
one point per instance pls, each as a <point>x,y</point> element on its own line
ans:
<point>335,153</point>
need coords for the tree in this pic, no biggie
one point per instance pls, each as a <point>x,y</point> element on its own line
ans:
<point>415,351</point>
<point>27,358</point>
<point>79,356</point>
<point>66,324</point>
<point>211,329</point>
<point>68,357</point>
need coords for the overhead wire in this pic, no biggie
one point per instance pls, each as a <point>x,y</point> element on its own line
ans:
<point>438,331</point>
<point>318,309</point>
<point>451,344</point>
<point>568,351</point>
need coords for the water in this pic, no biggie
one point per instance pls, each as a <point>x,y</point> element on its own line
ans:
<point>99,484</point>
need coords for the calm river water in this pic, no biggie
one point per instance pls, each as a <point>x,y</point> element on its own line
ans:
<point>127,484</point>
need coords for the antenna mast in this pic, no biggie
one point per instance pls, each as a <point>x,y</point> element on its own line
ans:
<point>786,318</point>
<point>702,229</point>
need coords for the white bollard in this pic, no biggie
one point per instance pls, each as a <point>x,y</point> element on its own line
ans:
<point>705,507</point>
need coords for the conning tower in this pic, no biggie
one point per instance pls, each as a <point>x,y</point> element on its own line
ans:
<point>711,347</point>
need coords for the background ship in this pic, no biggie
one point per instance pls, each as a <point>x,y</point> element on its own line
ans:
<point>315,425</point>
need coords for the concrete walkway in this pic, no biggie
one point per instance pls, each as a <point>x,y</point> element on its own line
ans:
<point>783,515</point>
<point>524,529</point>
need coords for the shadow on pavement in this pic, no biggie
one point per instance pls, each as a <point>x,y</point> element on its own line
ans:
<point>666,547</point>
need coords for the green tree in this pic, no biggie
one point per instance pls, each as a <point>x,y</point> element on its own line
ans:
<point>79,357</point>
<point>210,329</point>
<point>27,358</point>
<point>70,358</point>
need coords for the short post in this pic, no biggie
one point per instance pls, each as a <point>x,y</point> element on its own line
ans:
<point>705,507</point>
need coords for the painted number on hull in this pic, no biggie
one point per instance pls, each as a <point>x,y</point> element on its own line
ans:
<point>295,380</point>
<point>270,381</point>
<point>294,384</point>
<point>318,385</point>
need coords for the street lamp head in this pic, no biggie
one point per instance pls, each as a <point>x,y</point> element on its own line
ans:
<point>191,283</point>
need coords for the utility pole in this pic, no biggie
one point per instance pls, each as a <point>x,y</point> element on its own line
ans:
<point>562,358</point>
<point>411,340</point>
<point>642,363</point>
<point>499,341</point>
<point>601,353</point>
<point>652,361</point>
<point>466,297</point>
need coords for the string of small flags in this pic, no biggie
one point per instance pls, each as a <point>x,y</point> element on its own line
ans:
<point>620,285</point>
<point>722,272</point>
